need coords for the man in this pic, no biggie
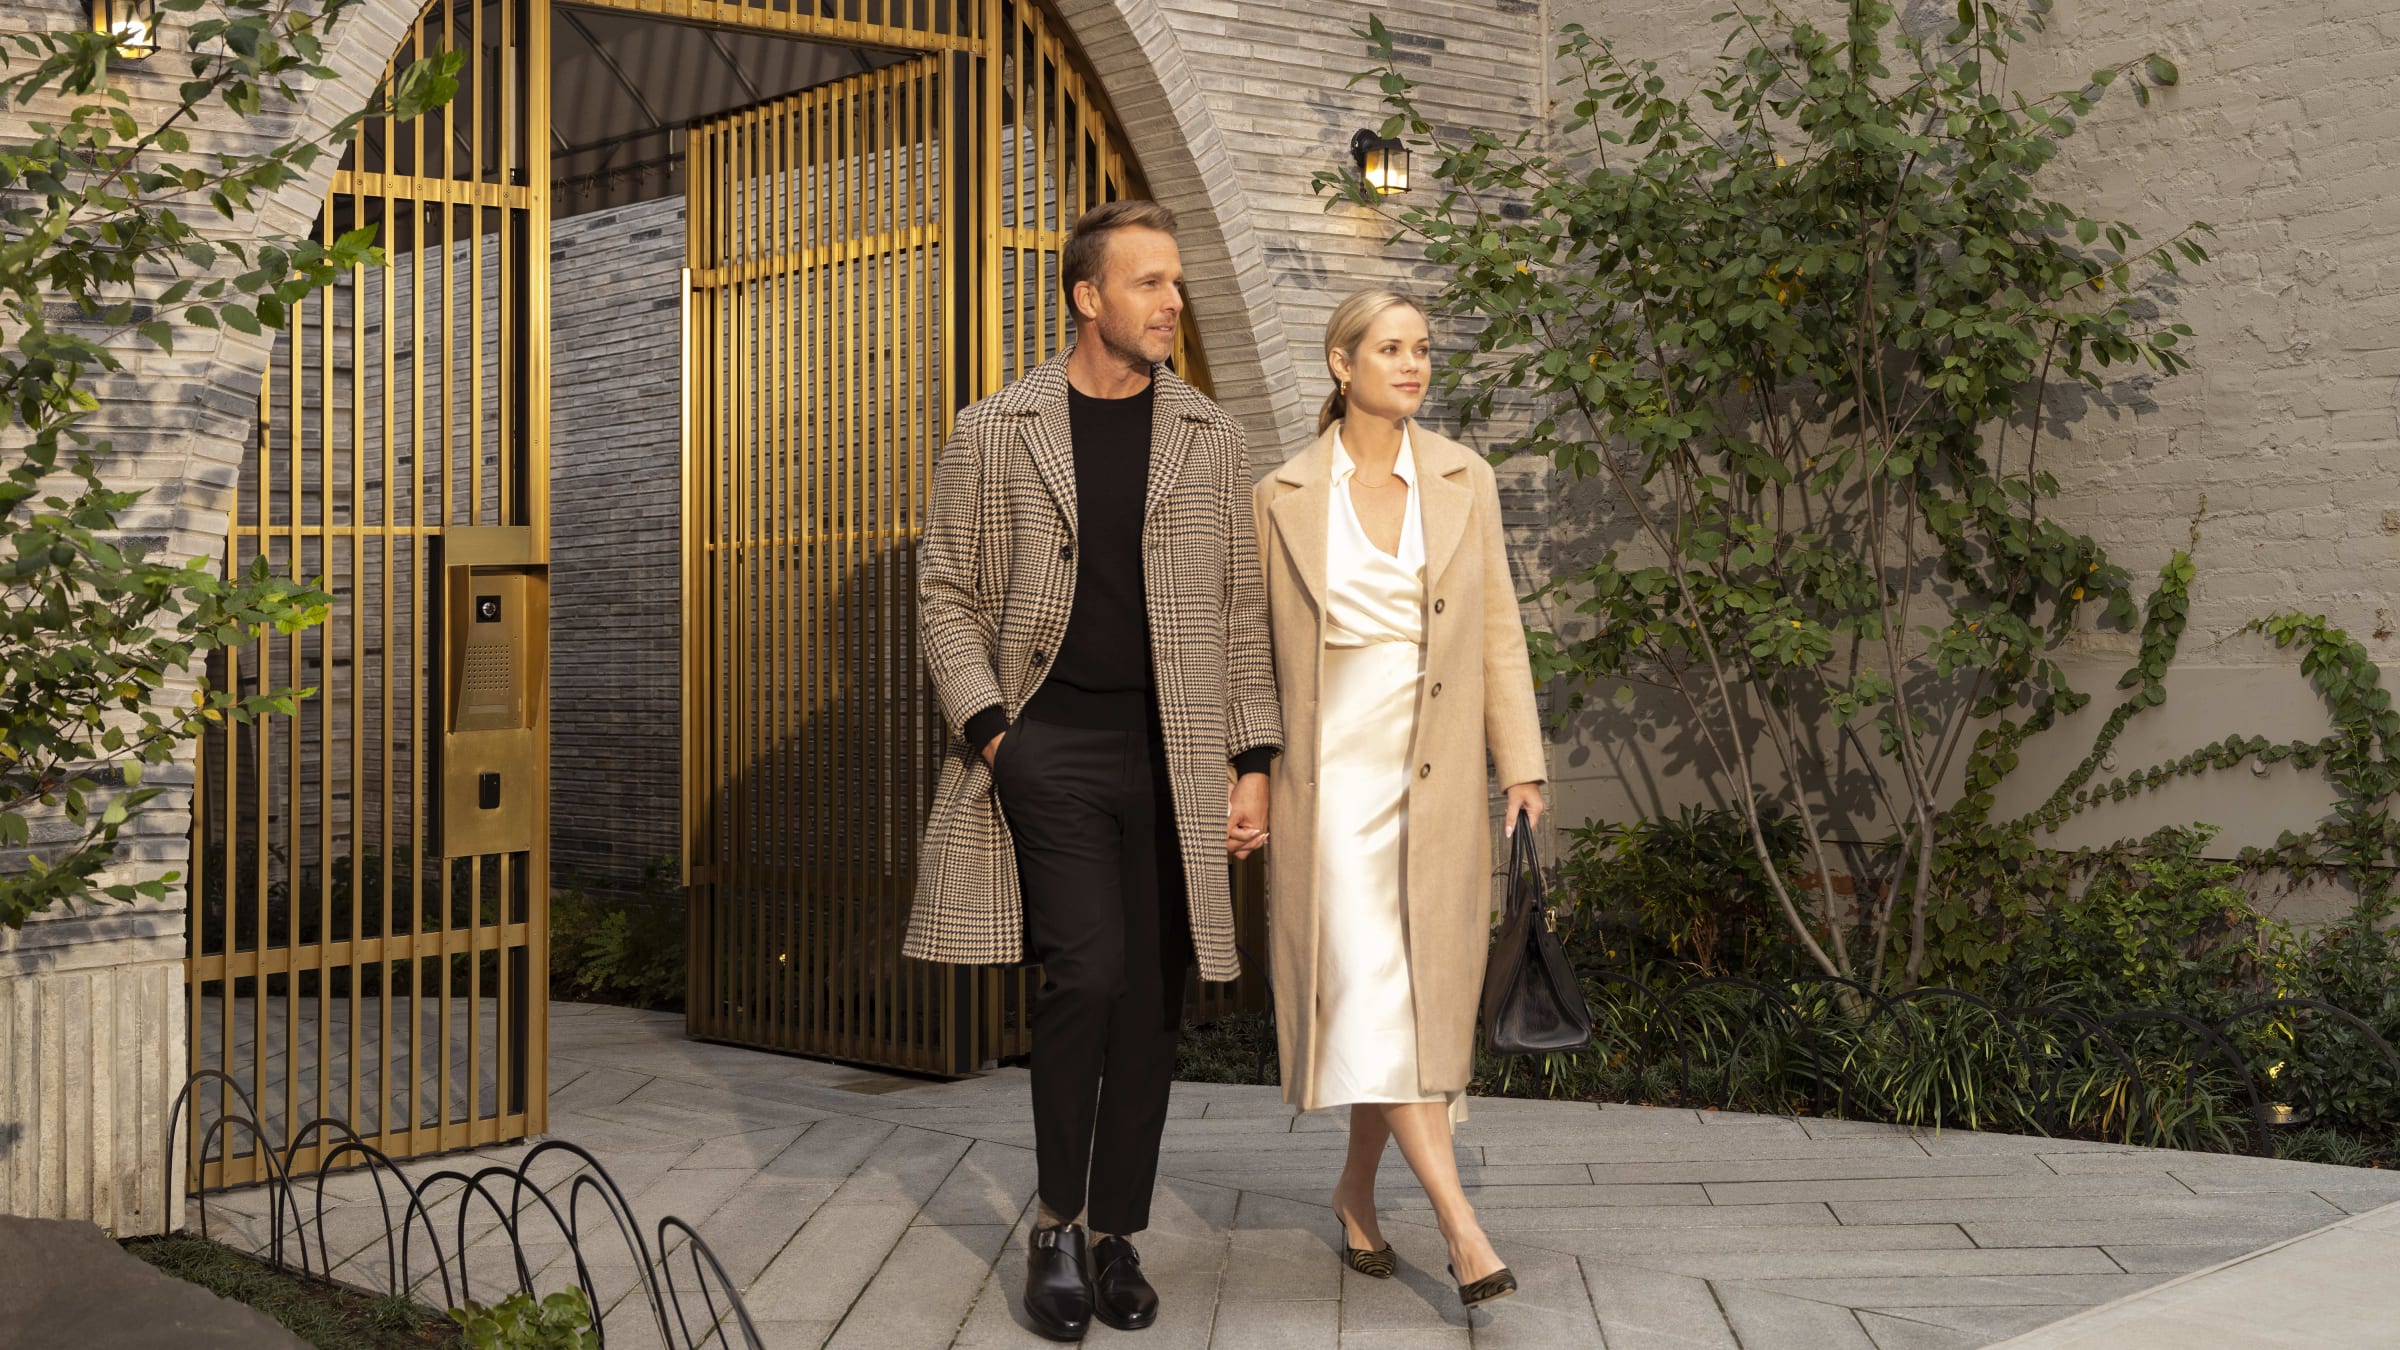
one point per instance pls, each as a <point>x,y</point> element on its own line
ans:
<point>1097,635</point>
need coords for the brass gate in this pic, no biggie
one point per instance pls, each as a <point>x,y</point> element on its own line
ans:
<point>367,936</point>
<point>369,883</point>
<point>866,258</point>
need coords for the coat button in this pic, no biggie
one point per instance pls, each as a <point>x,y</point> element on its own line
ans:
<point>1038,656</point>
<point>1424,770</point>
<point>1066,553</point>
<point>1437,606</point>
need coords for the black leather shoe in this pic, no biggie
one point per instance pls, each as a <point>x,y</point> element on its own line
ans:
<point>1120,1296</point>
<point>1058,1295</point>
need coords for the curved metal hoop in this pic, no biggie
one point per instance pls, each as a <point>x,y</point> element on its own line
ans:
<point>523,1207</point>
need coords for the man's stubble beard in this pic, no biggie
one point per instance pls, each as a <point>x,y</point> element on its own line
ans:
<point>1126,350</point>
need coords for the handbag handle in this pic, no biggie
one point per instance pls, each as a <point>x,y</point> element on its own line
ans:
<point>1525,861</point>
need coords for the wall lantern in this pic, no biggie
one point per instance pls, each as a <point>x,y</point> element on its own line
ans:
<point>133,22</point>
<point>1382,161</point>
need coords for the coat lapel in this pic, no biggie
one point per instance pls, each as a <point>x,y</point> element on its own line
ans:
<point>1299,511</point>
<point>1444,497</point>
<point>1041,411</point>
<point>1170,436</point>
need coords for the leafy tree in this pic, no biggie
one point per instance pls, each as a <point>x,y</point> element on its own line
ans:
<point>105,241</point>
<point>1806,325</point>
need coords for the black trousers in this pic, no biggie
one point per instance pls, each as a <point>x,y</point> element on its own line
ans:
<point>1107,916</point>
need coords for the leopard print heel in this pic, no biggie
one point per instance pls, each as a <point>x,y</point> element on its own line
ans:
<point>1378,1264</point>
<point>1499,1284</point>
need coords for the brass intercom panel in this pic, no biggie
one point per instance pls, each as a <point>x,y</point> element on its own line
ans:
<point>492,665</point>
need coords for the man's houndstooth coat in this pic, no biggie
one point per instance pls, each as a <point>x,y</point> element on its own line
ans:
<point>996,583</point>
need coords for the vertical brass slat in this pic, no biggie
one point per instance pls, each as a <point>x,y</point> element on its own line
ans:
<point>857,447</point>
<point>720,590</point>
<point>699,856</point>
<point>697,863</point>
<point>899,382</point>
<point>832,441</point>
<point>507,508</point>
<point>480,109</point>
<point>987,332</point>
<point>420,697</point>
<point>534,121</point>
<point>783,1023</point>
<point>358,661</point>
<point>442,1134</point>
<point>478,154</point>
<point>815,109</point>
<point>825,156</point>
<point>769,521</point>
<point>728,539</point>
<point>721,529</point>
<point>918,1007</point>
<point>385,927</point>
<point>296,474</point>
<point>445,918</point>
<point>1023,143</point>
<point>755,794</point>
<point>325,700</point>
<point>699,853</point>
<point>882,857</point>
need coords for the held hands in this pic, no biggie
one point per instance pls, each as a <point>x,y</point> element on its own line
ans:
<point>1525,797</point>
<point>1246,816</point>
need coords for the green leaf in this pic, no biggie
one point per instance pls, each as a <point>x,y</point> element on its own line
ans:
<point>2162,71</point>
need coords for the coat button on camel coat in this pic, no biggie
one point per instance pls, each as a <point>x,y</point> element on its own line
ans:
<point>1478,654</point>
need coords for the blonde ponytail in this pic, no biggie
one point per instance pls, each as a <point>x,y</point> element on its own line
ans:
<point>1337,404</point>
<point>1344,331</point>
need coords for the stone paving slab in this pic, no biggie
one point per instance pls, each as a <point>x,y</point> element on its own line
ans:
<point>65,1283</point>
<point>2331,1287</point>
<point>862,1209</point>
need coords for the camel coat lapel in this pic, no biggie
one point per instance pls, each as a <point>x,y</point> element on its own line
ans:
<point>1300,513</point>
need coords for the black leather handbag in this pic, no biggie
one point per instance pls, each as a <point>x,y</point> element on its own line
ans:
<point>1532,1002</point>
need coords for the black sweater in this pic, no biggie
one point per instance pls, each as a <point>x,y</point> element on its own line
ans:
<point>1101,674</point>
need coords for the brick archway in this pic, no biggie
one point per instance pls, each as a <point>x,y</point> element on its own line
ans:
<point>1164,113</point>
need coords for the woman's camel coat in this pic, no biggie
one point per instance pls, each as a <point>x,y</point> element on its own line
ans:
<point>1476,696</point>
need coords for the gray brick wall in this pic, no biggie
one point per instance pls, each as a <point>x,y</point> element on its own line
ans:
<point>614,590</point>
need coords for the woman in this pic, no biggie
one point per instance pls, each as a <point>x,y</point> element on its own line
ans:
<point>1402,663</point>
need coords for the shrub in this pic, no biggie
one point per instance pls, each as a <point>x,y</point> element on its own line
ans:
<point>1803,323</point>
<point>2163,927</point>
<point>562,1321</point>
<point>630,949</point>
<point>1682,889</point>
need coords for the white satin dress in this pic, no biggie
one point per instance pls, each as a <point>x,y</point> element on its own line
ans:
<point>1374,659</point>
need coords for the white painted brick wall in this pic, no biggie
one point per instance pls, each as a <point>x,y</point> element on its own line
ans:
<point>2282,135</point>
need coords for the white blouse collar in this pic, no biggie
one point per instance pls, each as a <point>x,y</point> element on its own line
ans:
<point>1404,465</point>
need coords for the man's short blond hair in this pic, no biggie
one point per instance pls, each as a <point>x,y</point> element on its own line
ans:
<point>1085,256</point>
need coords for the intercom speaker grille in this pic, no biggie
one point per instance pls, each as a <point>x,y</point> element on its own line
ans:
<point>488,684</point>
